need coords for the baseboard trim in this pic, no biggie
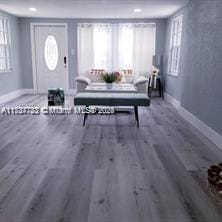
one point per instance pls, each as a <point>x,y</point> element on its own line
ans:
<point>71,91</point>
<point>67,92</point>
<point>29,91</point>
<point>207,131</point>
<point>210,133</point>
<point>14,94</point>
<point>10,96</point>
<point>172,100</point>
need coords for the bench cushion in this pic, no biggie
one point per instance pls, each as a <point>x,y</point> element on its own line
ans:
<point>112,99</point>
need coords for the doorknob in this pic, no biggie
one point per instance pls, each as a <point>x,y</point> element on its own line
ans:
<point>65,60</point>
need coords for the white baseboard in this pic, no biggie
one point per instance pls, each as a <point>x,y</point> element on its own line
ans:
<point>172,100</point>
<point>67,92</point>
<point>12,95</point>
<point>29,91</point>
<point>71,91</point>
<point>211,134</point>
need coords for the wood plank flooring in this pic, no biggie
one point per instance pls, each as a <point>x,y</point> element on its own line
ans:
<point>54,170</point>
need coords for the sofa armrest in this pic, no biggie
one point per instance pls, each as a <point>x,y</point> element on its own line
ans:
<point>83,79</point>
<point>141,84</point>
<point>140,80</point>
<point>81,83</point>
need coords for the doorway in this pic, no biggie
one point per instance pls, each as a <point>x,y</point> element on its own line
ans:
<point>49,56</point>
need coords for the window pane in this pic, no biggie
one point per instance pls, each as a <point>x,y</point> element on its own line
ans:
<point>7,53</point>
<point>178,59</point>
<point>180,24</point>
<point>1,25</point>
<point>8,63</point>
<point>171,63</point>
<point>174,27</point>
<point>51,53</point>
<point>179,38</point>
<point>174,40</point>
<point>2,51</point>
<point>2,64</point>
<point>2,38</point>
<point>5,38</point>
<point>174,59</point>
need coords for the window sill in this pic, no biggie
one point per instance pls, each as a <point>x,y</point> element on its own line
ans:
<point>173,74</point>
<point>6,71</point>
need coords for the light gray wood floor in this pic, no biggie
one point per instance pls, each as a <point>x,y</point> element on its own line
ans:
<point>54,170</point>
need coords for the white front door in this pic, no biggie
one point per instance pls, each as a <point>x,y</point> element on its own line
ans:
<point>51,57</point>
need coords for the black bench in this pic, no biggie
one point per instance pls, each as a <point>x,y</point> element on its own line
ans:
<point>112,99</point>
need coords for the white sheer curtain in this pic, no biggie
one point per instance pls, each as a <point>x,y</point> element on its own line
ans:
<point>143,48</point>
<point>94,47</point>
<point>102,39</point>
<point>85,48</point>
<point>116,46</point>
<point>126,42</point>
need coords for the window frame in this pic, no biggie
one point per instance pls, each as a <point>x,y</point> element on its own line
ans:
<point>7,45</point>
<point>175,45</point>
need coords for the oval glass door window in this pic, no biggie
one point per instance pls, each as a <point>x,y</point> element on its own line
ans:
<point>51,52</point>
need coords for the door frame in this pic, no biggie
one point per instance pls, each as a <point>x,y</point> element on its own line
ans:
<point>33,52</point>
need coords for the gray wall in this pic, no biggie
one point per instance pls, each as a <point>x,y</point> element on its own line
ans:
<point>202,82</point>
<point>12,80</point>
<point>199,85</point>
<point>72,43</point>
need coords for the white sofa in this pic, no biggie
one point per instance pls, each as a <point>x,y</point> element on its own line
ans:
<point>140,82</point>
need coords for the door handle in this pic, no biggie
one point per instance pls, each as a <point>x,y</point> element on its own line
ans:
<point>65,60</point>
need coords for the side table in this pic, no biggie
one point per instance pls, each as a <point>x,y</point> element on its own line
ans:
<point>159,86</point>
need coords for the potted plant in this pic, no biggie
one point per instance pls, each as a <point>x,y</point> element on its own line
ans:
<point>109,78</point>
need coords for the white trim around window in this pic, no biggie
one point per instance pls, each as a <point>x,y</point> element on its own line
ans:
<point>175,46</point>
<point>5,45</point>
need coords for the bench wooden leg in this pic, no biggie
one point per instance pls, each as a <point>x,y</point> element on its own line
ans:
<point>136,115</point>
<point>85,116</point>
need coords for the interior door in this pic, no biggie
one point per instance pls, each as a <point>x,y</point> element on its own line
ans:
<point>51,57</point>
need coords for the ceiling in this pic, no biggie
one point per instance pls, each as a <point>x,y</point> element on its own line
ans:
<point>92,8</point>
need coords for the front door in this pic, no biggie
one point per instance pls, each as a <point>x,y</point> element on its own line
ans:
<point>51,57</point>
